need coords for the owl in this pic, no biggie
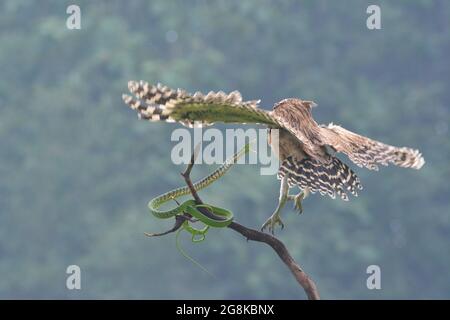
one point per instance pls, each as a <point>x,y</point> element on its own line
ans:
<point>306,150</point>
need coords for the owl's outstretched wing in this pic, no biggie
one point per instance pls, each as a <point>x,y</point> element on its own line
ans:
<point>295,116</point>
<point>369,153</point>
<point>160,103</point>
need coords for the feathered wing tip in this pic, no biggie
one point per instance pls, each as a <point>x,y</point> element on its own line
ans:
<point>405,157</point>
<point>150,101</point>
<point>161,103</point>
<point>145,111</point>
<point>332,178</point>
<point>369,153</point>
<point>382,154</point>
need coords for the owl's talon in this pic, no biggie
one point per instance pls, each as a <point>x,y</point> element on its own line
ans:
<point>271,223</point>
<point>298,202</point>
<point>298,198</point>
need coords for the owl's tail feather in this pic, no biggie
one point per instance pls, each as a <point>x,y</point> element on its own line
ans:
<point>332,178</point>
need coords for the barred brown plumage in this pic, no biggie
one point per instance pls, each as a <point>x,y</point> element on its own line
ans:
<point>303,147</point>
<point>366,152</point>
<point>332,178</point>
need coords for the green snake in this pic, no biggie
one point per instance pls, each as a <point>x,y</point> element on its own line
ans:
<point>225,217</point>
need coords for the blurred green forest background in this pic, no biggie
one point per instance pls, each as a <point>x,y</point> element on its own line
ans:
<point>77,168</point>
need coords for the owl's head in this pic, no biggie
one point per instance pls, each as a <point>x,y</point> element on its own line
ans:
<point>295,103</point>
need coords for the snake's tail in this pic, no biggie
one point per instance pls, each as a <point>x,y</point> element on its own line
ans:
<point>184,254</point>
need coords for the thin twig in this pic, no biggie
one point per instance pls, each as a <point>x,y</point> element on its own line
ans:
<point>179,219</point>
<point>187,175</point>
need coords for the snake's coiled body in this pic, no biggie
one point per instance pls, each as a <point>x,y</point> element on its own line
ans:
<point>225,217</point>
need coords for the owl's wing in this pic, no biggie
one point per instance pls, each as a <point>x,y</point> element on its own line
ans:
<point>300,123</point>
<point>160,103</point>
<point>366,152</point>
<point>363,151</point>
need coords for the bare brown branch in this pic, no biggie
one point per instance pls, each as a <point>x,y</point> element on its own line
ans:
<point>187,175</point>
<point>277,245</point>
<point>178,223</point>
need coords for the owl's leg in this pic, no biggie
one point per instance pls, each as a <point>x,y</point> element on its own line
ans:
<point>275,217</point>
<point>298,198</point>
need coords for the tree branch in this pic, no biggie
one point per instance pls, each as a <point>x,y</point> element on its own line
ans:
<point>251,234</point>
<point>277,245</point>
<point>187,175</point>
<point>179,219</point>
